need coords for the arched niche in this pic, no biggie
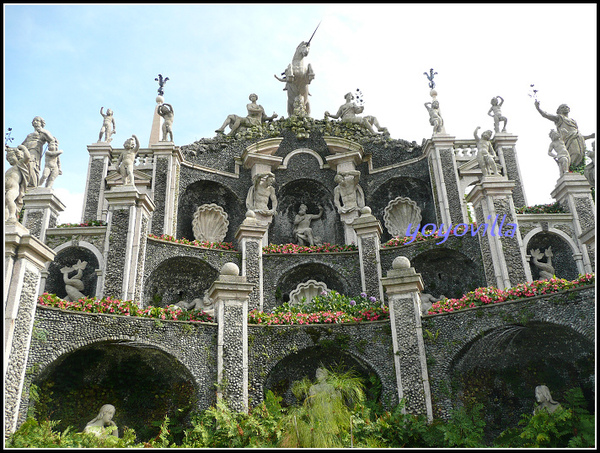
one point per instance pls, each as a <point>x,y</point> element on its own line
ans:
<point>206,192</point>
<point>67,257</point>
<point>562,255</point>
<point>313,194</point>
<point>448,272</point>
<point>417,190</point>
<point>177,279</point>
<point>501,368</point>
<point>144,384</point>
<point>304,364</point>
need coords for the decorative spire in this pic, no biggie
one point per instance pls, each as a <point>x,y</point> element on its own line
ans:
<point>430,78</point>
<point>161,84</point>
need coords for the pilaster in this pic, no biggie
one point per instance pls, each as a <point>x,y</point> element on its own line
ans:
<point>42,208</point>
<point>368,231</point>
<point>504,145</point>
<point>93,201</point>
<point>250,236</point>
<point>167,160</point>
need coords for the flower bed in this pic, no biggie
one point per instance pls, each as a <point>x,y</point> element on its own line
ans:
<point>550,208</point>
<point>294,248</point>
<point>87,223</point>
<point>491,295</point>
<point>397,241</point>
<point>124,308</point>
<point>195,242</point>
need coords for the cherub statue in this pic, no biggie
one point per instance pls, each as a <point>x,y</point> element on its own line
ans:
<point>302,230</point>
<point>546,269</point>
<point>256,116</point>
<point>127,159</point>
<point>590,168</point>
<point>15,181</point>
<point>435,116</point>
<point>485,153</point>
<point>167,113</point>
<point>496,113</point>
<point>35,142</point>
<point>558,151</point>
<point>544,398</point>
<point>102,425</point>
<point>427,300</point>
<point>74,285</point>
<point>574,140</point>
<point>108,126</point>
<point>348,114</point>
<point>348,196</point>
<point>51,164</point>
<point>261,193</point>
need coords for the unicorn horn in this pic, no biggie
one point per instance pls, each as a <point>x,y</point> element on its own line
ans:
<point>308,43</point>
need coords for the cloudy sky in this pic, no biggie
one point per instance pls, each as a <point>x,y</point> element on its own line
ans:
<point>64,62</point>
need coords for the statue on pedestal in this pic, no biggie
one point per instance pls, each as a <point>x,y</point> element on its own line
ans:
<point>496,113</point>
<point>485,153</point>
<point>348,196</point>
<point>261,193</point>
<point>590,168</point>
<point>256,116</point>
<point>348,114</point>
<point>51,164</point>
<point>302,230</point>
<point>35,142</point>
<point>559,152</point>
<point>167,113</point>
<point>435,116</point>
<point>108,126</point>
<point>16,179</point>
<point>127,159</point>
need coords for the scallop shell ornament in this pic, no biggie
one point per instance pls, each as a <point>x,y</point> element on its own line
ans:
<point>399,214</point>
<point>210,223</point>
<point>308,289</point>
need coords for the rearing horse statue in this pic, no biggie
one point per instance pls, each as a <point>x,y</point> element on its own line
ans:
<point>297,76</point>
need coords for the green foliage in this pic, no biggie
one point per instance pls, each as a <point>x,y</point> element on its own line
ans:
<point>550,208</point>
<point>465,428</point>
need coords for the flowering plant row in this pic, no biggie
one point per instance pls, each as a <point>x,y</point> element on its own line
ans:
<point>124,308</point>
<point>195,242</point>
<point>397,241</point>
<point>491,295</point>
<point>550,208</point>
<point>87,223</point>
<point>294,248</point>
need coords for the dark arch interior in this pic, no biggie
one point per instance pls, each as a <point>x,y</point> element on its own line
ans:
<point>502,368</point>
<point>142,382</point>
<point>67,258</point>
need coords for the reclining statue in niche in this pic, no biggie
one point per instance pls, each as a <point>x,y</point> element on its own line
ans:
<point>256,116</point>
<point>206,304</point>
<point>302,230</point>
<point>348,114</point>
<point>74,285</point>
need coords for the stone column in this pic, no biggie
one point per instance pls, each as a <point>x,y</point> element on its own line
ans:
<point>504,145</point>
<point>230,293</point>
<point>368,231</point>
<point>25,258</point>
<point>42,208</point>
<point>250,236</point>
<point>127,229</point>
<point>573,192</point>
<point>403,286</point>
<point>93,200</point>
<point>167,160</point>
<point>501,244</point>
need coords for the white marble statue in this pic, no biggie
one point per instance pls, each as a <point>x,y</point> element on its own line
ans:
<point>574,140</point>
<point>559,152</point>
<point>544,398</point>
<point>435,116</point>
<point>297,76</point>
<point>348,196</point>
<point>348,114</point>
<point>74,285</point>
<point>256,116</point>
<point>206,304</point>
<point>590,168</point>
<point>102,425</point>
<point>302,230</point>
<point>35,142</point>
<point>486,153</point>
<point>427,300</point>
<point>496,113</point>
<point>16,179</point>
<point>546,269</point>
<point>167,113</point>
<point>261,193</point>
<point>51,164</point>
<point>127,159</point>
<point>108,126</point>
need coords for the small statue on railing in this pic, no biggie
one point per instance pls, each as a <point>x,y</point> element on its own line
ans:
<point>496,113</point>
<point>435,116</point>
<point>109,127</point>
<point>558,151</point>
<point>546,269</point>
<point>127,159</point>
<point>485,153</point>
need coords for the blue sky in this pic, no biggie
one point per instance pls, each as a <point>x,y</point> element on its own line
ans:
<point>64,62</point>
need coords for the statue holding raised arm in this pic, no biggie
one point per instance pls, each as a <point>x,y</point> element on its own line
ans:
<point>167,113</point>
<point>15,181</point>
<point>496,113</point>
<point>485,153</point>
<point>435,117</point>
<point>348,196</point>
<point>302,230</point>
<point>348,114</point>
<point>35,142</point>
<point>51,164</point>
<point>127,159</point>
<point>574,140</point>
<point>558,151</point>
<point>108,126</point>
<point>256,116</point>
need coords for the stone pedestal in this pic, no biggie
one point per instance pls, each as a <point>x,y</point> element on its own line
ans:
<point>250,240</point>
<point>230,293</point>
<point>504,145</point>
<point>167,160</point>
<point>368,232</point>
<point>504,262</point>
<point>42,208</point>
<point>573,192</point>
<point>25,259</point>
<point>403,286</point>
<point>128,218</point>
<point>100,160</point>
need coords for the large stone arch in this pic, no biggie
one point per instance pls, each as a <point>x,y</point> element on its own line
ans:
<point>143,379</point>
<point>205,192</point>
<point>502,366</point>
<point>567,260</point>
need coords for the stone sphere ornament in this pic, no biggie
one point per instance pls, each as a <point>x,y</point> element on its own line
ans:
<point>230,269</point>
<point>401,262</point>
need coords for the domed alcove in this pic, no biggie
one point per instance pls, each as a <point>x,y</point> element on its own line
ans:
<point>66,258</point>
<point>177,279</point>
<point>561,255</point>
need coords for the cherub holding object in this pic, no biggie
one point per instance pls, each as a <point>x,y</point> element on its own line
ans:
<point>127,159</point>
<point>559,152</point>
<point>15,181</point>
<point>166,111</point>
<point>108,126</point>
<point>485,153</point>
<point>496,113</point>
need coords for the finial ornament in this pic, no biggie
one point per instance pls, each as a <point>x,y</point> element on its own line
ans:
<point>161,84</point>
<point>430,78</point>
